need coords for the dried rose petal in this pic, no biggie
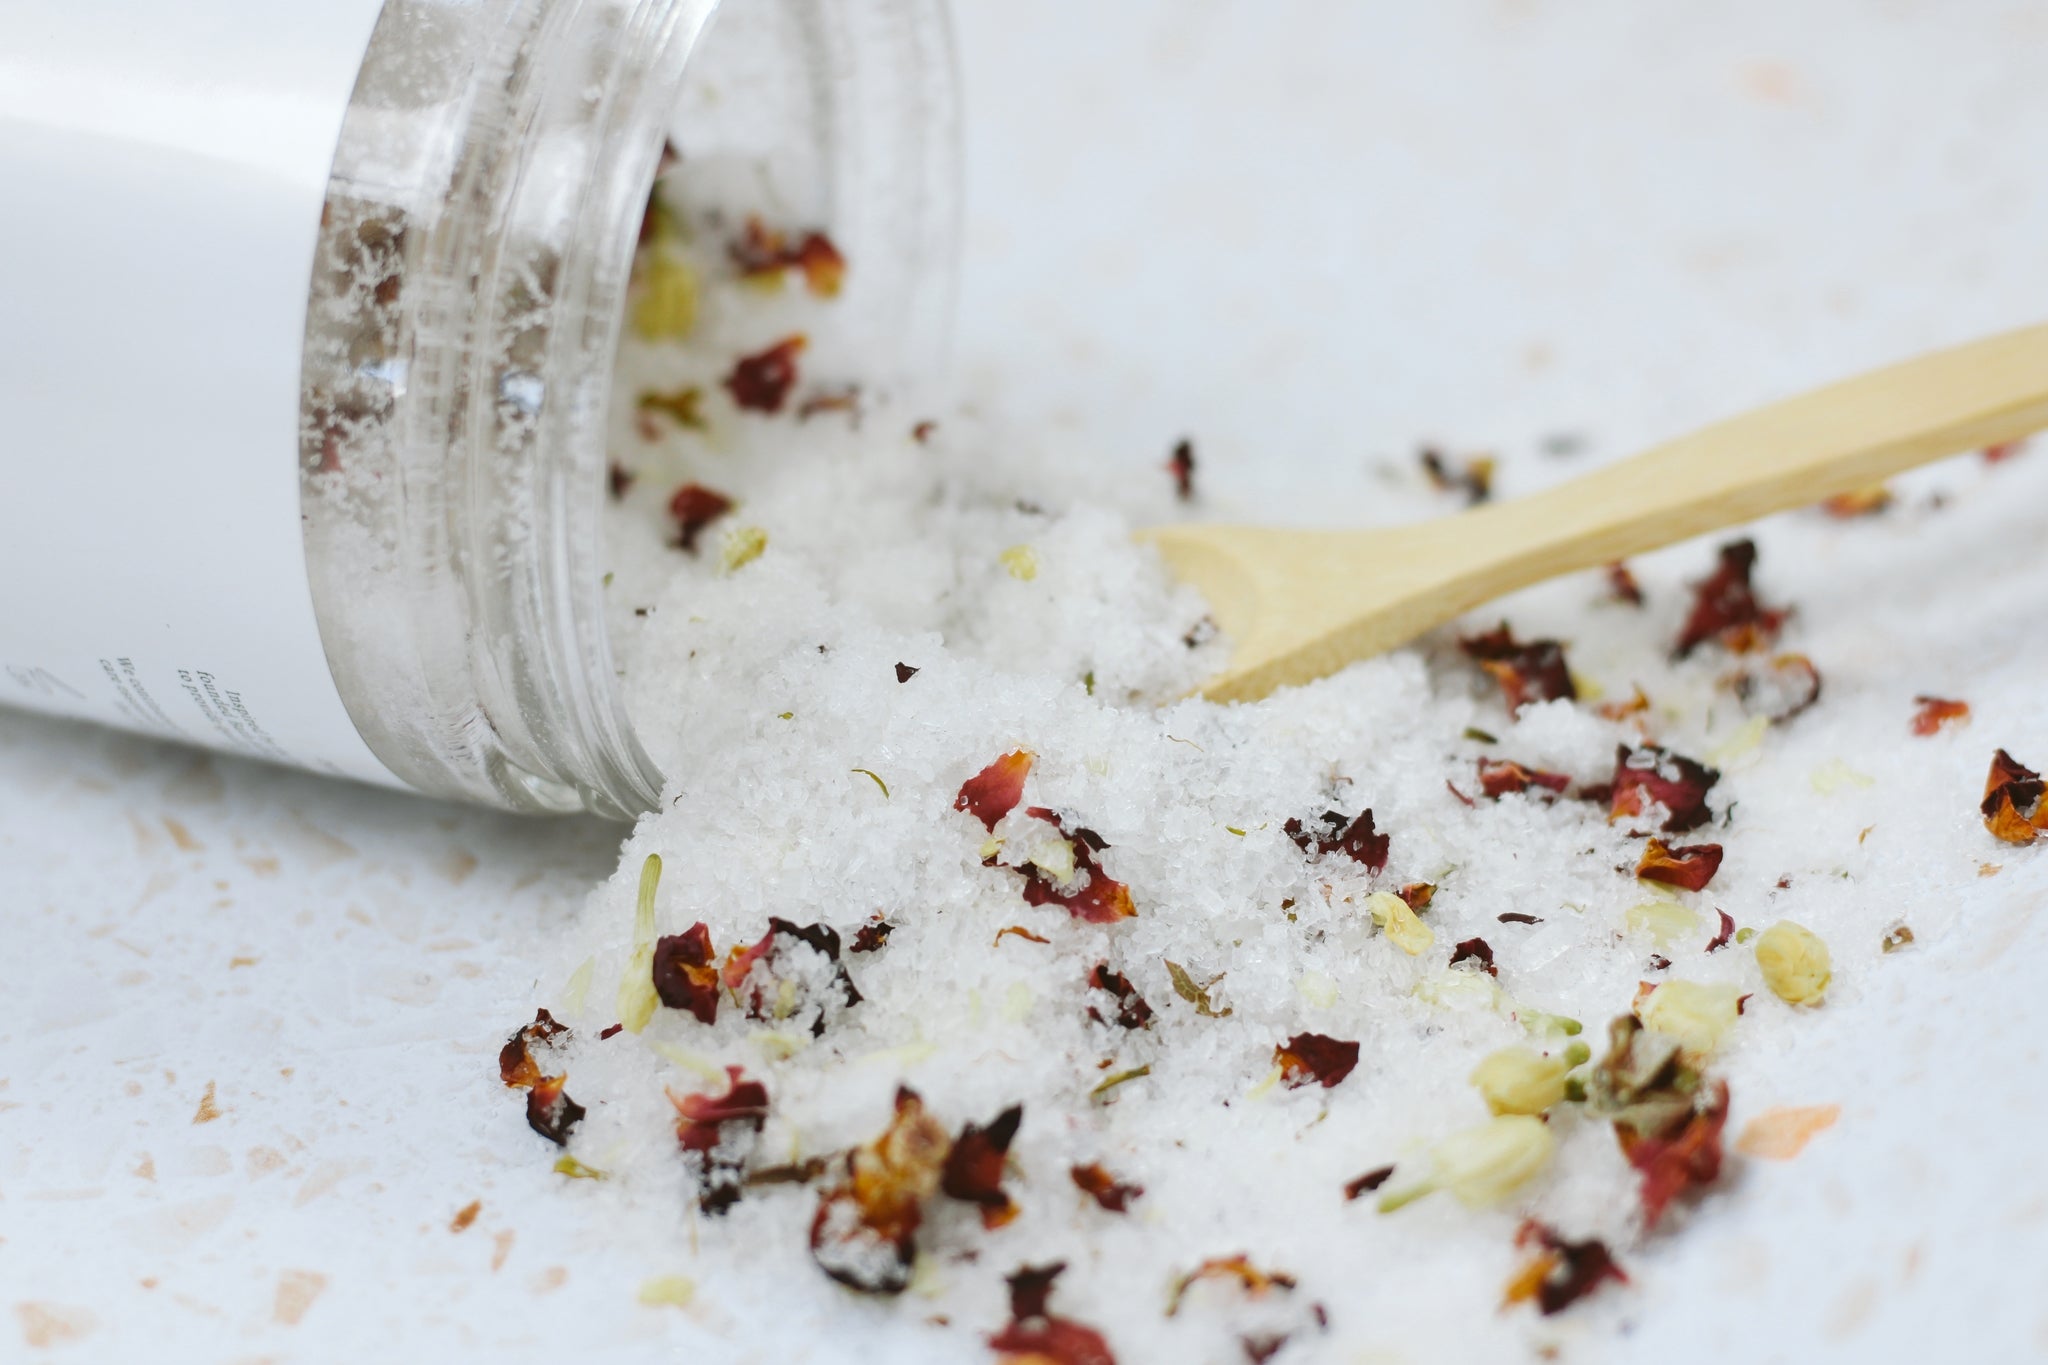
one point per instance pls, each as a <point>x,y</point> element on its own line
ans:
<point>761,382</point>
<point>1255,1282</point>
<point>1622,583</point>
<point>1686,1159</point>
<point>1500,777</point>
<point>1098,900</point>
<point>1650,774</point>
<point>1636,705</point>
<point>994,792</point>
<point>1356,839</point>
<point>686,972</point>
<point>1476,950</point>
<point>864,1234</point>
<point>1132,1011</point>
<point>1104,1188</point>
<point>1562,1272</point>
<point>1932,713</point>
<point>1360,1186</point>
<point>762,253</point>
<point>1418,895</point>
<point>2003,451</point>
<point>517,1066</point>
<point>2013,809</point>
<point>1035,1337</point>
<point>1308,1057</point>
<point>974,1168</point>
<point>695,507</point>
<point>718,1134</point>
<point>904,673</point>
<point>1781,689</point>
<point>870,937</point>
<point>1182,467</point>
<point>762,978</point>
<point>549,1110</point>
<point>1727,932</point>
<point>1689,868</point>
<point>1725,608</point>
<point>619,480</point>
<point>1527,671</point>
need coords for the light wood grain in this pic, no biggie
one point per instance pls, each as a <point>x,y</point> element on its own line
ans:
<point>1302,604</point>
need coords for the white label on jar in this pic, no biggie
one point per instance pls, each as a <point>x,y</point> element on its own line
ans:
<point>162,171</point>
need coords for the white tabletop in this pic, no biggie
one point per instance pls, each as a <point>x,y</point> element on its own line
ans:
<point>1310,233</point>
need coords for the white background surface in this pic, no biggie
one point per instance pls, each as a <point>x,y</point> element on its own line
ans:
<point>1309,232</point>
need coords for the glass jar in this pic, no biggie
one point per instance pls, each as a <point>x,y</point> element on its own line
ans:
<point>470,269</point>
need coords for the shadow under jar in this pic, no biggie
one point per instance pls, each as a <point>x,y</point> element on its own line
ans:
<point>471,276</point>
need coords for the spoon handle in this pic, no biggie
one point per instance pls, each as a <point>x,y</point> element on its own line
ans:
<point>1839,439</point>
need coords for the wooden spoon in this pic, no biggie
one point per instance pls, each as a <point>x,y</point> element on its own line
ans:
<point>1299,605</point>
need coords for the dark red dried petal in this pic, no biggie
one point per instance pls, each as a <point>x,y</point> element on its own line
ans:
<point>1356,839</point>
<point>1308,1057</point>
<point>1932,713</point>
<point>1685,1160</point>
<point>1565,1271</point>
<point>1098,900</point>
<point>870,937</point>
<point>1688,868</point>
<point>2015,779</point>
<point>1034,1336</point>
<point>994,792</point>
<point>1622,583</point>
<point>1500,777</point>
<point>1527,671</point>
<point>517,1066</point>
<point>2003,451</point>
<point>1650,774</point>
<point>1367,1183</point>
<point>1517,917</point>
<point>695,507</point>
<point>1727,932</point>
<point>974,1168</point>
<point>686,972</point>
<point>1476,950</point>
<point>549,1110</point>
<point>1725,608</point>
<point>904,673</point>
<point>1104,1188</point>
<point>760,1000</point>
<point>1132,1011</point>
<point>1182,467</point>
<point>761,382</point>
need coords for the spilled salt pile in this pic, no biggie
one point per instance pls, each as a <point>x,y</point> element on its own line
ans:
<point>960,950</point>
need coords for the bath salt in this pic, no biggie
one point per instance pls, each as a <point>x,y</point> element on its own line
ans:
<point>1404,1010</point>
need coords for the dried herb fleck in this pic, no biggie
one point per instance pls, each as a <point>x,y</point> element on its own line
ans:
<point>1255,1283</point>
<point>1184,986</point>
<point>1473,478</point>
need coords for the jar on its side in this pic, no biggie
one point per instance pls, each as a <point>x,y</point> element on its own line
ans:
<point>471,276</point>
